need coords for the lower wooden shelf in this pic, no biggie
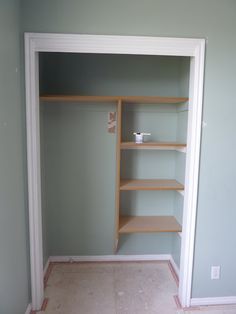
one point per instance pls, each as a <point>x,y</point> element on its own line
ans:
<point>154,146</point>
<point>150,184</point>
<point>148,224</point>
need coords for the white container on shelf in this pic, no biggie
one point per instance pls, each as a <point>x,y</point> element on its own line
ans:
<point>139,137</point>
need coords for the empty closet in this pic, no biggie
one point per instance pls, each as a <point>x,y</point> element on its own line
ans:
<point>101,192</point>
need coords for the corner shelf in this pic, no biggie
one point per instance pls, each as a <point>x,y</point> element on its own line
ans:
<point>150,185</point>
<point>148,224</point>
<point>154,146</point>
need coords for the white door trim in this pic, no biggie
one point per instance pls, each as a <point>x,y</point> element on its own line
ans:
<point>38,42</point>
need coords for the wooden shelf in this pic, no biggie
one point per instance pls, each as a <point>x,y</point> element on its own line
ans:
<point>78,98</point>
<point>109,99</point>
<point>153,145</point>
<point>153,100</point>
<point>150,184</point>
<point>146,224</point>
<point>135,224</point>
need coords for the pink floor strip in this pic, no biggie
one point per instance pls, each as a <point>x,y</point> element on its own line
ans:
<point>175,276</point>
<point>179,307</point>
<point>47,274</point>
<point>43,307</point>
<point>177,302</point>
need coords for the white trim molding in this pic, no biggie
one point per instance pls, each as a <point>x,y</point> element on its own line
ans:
<point>28,310</point>
<point>191,173</point>
<point>213,301</point>
<point>34,176</point>
<point>136,45</point>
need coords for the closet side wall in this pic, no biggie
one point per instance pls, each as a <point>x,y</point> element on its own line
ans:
<point>180,158</point>
<point>43,156</point>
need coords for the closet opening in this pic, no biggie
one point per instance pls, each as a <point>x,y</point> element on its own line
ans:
<point>99,191</point>
<point>81,204</point>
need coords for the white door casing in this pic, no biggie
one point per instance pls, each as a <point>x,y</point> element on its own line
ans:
<point>136,45</point>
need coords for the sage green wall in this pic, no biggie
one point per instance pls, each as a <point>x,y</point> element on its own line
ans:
<point>216,21</point>
<point>108,74</point>
<point>14,270</point>
<point>78,175</point>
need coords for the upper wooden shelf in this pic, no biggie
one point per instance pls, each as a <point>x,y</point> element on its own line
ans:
<point>150,184</point>
<point>153,145</point>
<point>141,224</point>
<point>78,98</point>
<point>109,99</point>
<point>152,100</point>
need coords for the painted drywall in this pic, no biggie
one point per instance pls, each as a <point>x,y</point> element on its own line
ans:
<point>80,218</point>
<point>45,221</point>
<point>180,161</point>
<point>14,270</point>
<point>214,20</point>
<point>73,223</point>
<point>104,74</point>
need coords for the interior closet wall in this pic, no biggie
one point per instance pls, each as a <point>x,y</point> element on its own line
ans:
<point>180,158</point>
<point>78,154</point>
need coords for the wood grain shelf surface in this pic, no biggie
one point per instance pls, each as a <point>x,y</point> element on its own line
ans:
<point>150,184</point>
<point>153,145</point>
<point>147,224</point>
<point>153,100</point>
<point>109,99</point>
<point>78,98</point>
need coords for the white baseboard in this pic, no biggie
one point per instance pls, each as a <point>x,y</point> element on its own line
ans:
<point>213,301</point>
<point>28,310</point>
<point>111,258</point>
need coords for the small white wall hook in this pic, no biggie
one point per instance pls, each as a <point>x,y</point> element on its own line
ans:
<point>139,137</point>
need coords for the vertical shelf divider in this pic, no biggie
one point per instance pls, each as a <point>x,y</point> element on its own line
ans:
<point>118,159</point>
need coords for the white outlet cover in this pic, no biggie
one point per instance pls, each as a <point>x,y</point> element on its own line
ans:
<point>215,272</point>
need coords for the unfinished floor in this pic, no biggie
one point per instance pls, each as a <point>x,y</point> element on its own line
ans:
<point>116,288</point>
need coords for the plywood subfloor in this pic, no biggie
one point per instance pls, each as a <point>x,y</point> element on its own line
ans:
<point>111,288</point>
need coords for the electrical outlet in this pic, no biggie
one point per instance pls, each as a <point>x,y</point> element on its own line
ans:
<point>215,272</point>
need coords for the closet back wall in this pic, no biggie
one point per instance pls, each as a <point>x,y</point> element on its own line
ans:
<point>78,154</point>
